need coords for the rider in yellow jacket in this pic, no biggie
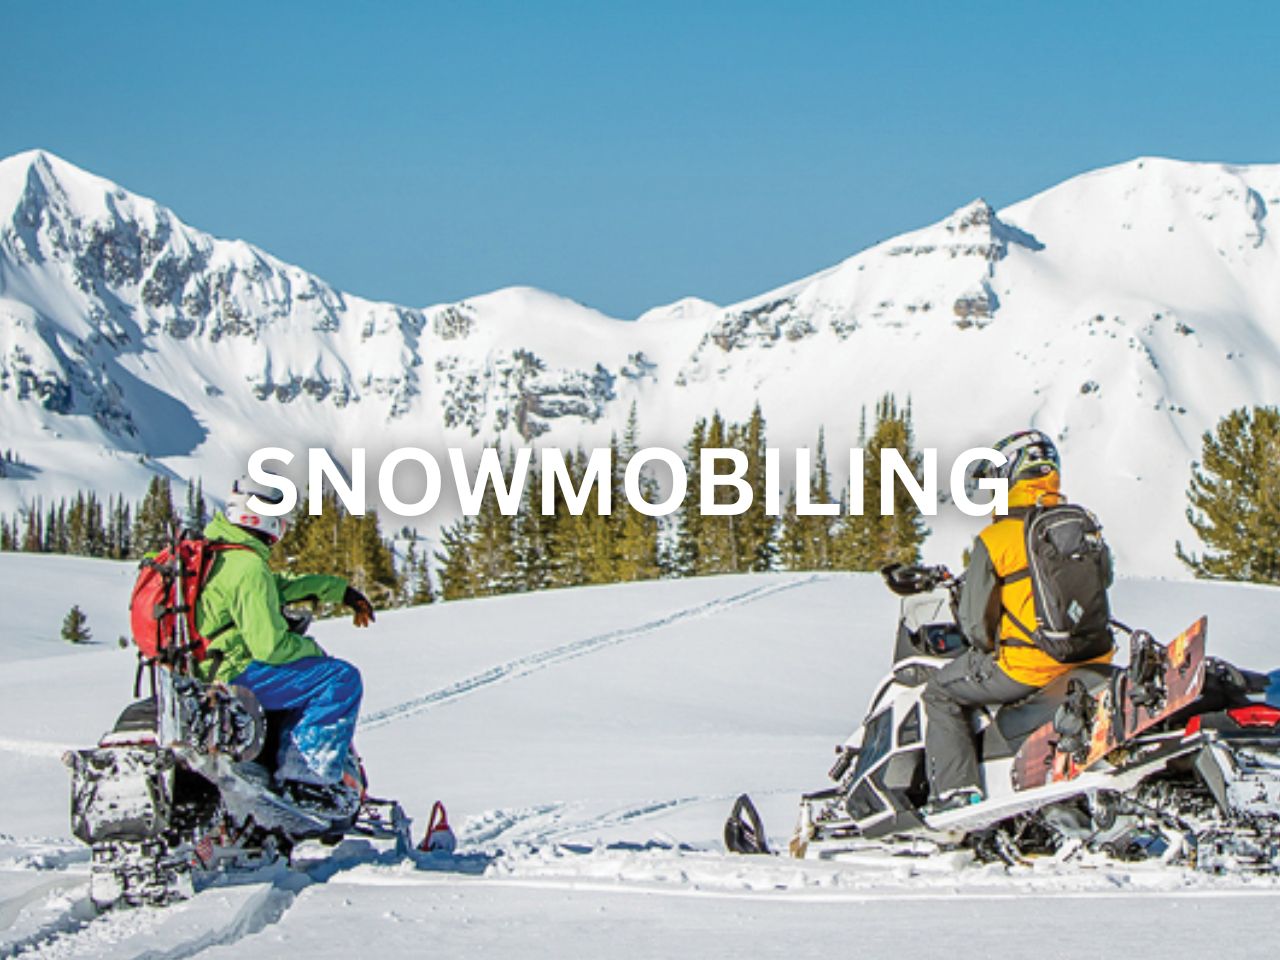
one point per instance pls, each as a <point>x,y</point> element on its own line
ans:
<point>997,614</point>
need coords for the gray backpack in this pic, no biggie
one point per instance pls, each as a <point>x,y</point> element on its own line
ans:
<point>1070,569</point>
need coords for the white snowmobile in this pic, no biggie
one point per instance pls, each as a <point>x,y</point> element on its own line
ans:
<point>181,788</point>
<point>1176,756</point>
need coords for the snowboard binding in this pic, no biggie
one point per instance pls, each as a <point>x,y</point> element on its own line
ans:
<point>1073,721</point>
<point>1147,661</point>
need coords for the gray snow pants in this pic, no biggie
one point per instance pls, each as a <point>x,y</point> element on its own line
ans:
<point>971,680</point>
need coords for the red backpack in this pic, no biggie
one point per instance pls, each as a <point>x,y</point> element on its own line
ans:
<point>169,584</point>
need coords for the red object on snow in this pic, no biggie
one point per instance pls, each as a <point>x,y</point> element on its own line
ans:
<point>439,838</point>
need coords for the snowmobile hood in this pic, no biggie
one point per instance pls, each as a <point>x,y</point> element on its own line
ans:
<point>1046,490</point>
<point>224,531</point>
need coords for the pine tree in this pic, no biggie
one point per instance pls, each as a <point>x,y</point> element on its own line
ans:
<point>459,578</point>
<point>369,564</point>
<point>493,545</point>
<point>791,541</point>
<point>118,528</point>
<point>1234,499</point>
<point>636,537</point>
<point>531,538</point>
<point>871,540</point>
<point>717,546</point>
<point>571,542</point>
<point>197,507</point>
<point>156,518</point>
<point>79,528</point>
<point>417,578</point>
<point>55,532</point>
<point>685,560</point>
<point>33,535</point>
<point>75,626</point>
<point>596,533</point>
<point>807,541</point>
<point>756,529</point>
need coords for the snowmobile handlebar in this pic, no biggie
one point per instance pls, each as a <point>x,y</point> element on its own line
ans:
<point>909,579</point>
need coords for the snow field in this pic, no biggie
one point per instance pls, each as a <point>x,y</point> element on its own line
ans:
<point>588,743</point>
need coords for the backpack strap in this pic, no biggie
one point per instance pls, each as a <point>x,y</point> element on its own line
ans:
<point>1013,641</point>
<point>215,547</point>
<point>1026,514</point>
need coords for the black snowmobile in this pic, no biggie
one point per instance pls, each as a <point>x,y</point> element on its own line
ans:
<point>181,788</point>
<point>1176,755</point>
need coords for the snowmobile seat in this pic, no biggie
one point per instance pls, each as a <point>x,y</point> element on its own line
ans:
<point>1015,721</point>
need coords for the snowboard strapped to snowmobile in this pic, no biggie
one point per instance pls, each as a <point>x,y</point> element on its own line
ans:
<point>181,787</point>
<point>1177,756</point>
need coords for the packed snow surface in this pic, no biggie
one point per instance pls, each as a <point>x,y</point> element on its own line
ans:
<point>588,744</point>
<point>1124,311</point>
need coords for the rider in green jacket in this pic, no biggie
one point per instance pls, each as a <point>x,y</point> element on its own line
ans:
<point>315,697</point>
<point>243,598</point>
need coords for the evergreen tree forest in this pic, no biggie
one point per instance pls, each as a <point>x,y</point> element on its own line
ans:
<point>343,544</point>
<point>335,542</point>
<point>493,553</point>
<point>115,529</point>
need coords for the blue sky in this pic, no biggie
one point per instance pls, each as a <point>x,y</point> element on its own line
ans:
<point>623,155</point>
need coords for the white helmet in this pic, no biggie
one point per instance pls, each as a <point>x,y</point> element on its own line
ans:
<point>242,515</point>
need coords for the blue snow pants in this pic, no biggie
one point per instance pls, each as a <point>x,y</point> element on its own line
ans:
<point>319,698</point>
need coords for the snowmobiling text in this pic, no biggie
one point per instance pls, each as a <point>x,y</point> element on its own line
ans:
<point>508,481</point>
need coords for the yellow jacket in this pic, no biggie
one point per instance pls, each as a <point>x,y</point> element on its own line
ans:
<point>999,553</point>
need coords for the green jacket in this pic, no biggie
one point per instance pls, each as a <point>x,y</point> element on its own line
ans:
<point>243,596</point>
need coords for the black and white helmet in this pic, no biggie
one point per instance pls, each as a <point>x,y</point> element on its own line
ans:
<point>1030,454</point>
<point>242,515</point>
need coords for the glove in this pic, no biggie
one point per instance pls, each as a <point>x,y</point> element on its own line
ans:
<point>360,605</point>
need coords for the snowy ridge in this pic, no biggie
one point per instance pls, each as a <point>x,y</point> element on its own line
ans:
<point>1124,311</point>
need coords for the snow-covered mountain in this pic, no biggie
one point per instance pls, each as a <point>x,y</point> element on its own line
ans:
<point>1123,311</point>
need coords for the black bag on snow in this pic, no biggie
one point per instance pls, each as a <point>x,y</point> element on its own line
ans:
<point>1070,567</point>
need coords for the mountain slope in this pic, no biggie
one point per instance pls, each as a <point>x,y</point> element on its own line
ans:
<point>1123,311</point>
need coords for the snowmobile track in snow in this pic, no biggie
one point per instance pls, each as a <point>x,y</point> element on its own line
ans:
<point>523,666</point>
<point>79,930</point>
<point>555,823</point>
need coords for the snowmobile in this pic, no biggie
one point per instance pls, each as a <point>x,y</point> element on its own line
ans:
<point>180,790</point>
<point>1175,756</point>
